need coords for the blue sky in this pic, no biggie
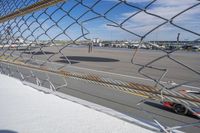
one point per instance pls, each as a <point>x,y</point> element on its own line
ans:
<point>140,24</point>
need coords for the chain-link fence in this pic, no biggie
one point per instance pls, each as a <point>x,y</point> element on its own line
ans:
<point>53,43</point>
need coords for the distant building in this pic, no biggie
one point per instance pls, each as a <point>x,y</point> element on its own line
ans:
<point>19,40</point>
<point>96,42</point>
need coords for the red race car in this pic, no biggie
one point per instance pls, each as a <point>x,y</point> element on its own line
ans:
<point>181,109</point>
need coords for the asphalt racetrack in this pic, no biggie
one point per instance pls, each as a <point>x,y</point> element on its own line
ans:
<point>116,64</point>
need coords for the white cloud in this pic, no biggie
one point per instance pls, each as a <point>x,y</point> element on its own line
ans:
<point>167,2</point>
<point>142,22</point>
<point>134,1</point>
<point>175,2</point>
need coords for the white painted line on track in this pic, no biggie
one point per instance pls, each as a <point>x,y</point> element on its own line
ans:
<point>128,76</point>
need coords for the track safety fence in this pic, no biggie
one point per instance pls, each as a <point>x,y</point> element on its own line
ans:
<point>35,33</point>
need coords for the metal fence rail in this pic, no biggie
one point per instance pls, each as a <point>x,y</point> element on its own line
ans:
<point>28,28</point>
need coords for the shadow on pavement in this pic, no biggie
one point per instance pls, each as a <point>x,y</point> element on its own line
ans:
<point>90,59</point>
<point>7,131</point>
<point>65,61</point>
<point>39,52</point>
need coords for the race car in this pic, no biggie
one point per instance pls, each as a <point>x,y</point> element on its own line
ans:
<point>182,109</point>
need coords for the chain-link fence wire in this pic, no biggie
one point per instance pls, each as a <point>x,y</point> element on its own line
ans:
<point>35,34</point>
